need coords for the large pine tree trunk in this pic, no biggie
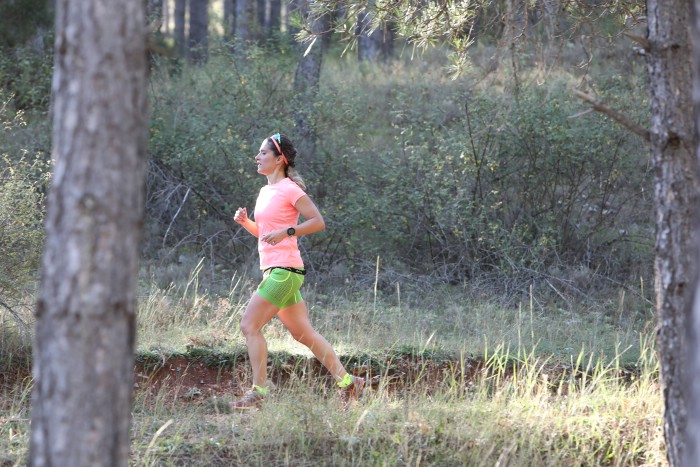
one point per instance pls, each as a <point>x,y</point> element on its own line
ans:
<point>673,146</point>
<point>83,351</point>
<point>198,43</point>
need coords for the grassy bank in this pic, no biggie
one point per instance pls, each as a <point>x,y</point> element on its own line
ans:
<point>516,410</point>
<point>468,380</point>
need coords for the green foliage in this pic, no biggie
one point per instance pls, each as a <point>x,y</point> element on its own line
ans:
<point>20,20</point>
<point>26,75</point>
<point>434,176</point>
<point>23,182</point>
<point>460,183</point>
<point>26,38</point>
<point>21,217</point>
<point>205,130</point>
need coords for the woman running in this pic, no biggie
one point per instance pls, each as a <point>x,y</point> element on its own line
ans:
<point>276,225</point>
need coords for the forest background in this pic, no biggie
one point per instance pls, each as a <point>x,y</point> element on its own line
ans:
<point>472,201</point>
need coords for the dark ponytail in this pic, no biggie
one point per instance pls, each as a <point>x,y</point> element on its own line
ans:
<point>290,153</point>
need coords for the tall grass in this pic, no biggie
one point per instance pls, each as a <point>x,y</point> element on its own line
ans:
<point>554,387</point>
<point>14,422</point>
<point>547,392</point>
<point>452,319</point>
<point>516,412</point>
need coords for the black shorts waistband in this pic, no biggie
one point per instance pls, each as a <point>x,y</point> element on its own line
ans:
<point>294,270</point>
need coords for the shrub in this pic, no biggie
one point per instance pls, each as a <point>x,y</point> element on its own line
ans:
<point>23,180</point>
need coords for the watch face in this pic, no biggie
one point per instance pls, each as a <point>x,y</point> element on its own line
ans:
<point>291,231</point>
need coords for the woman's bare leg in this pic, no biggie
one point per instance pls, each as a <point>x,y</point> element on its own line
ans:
<point>257,314</point>
<point>296,319</point>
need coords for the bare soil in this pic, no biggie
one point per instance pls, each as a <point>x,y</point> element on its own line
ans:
<point>194,378</point>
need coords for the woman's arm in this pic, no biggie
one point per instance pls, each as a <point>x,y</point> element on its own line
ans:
<point>313,221</point>
<point>242,218</point>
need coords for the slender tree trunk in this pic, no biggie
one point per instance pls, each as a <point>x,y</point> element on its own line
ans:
<point>198,43</point>
<point>276,16</point>
<point>369,43</point>
<point>83,349</point>
<point>306,79</point>
<point>676,186</point>
<point>692,440</point>
<point>229,19</point>
<point>271,17</point>
<point>245,20</point>
<point>285,9</point>
<point>166,18</point>
<point>180,33</point>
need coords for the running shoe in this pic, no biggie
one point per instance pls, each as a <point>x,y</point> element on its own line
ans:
<point>353,391</point>
<point>252,399</point>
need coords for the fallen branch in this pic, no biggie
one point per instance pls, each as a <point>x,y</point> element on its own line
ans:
<point>23,326</point>
<point>636,129</point>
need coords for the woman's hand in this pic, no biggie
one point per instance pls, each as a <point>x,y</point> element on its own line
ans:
<point>241,216</point>
<point>274,237</point>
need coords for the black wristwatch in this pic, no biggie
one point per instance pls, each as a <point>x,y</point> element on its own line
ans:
<point>291,231</point>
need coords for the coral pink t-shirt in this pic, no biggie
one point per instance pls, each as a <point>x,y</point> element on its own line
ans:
<point>275,210</point>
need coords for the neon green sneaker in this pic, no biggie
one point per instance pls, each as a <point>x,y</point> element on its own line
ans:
<point>353,391</point>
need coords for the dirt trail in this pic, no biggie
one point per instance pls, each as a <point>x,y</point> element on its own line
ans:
<point>194,378</point>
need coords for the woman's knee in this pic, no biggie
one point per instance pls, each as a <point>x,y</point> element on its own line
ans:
<point>307,337</point>
<point>248,327</point>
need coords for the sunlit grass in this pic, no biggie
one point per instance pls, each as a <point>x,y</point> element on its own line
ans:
<point>440,317</point>
<point>515,413</point>
<point>557,386</point>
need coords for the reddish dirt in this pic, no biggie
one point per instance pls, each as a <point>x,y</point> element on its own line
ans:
<point>190,379</point>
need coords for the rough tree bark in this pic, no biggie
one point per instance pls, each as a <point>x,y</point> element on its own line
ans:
<point>673,146</point>
<point>83,349</point>
<point>692,440</point>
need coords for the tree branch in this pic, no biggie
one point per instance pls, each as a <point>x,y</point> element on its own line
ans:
<point>23,326</point>
<point>636,129</point>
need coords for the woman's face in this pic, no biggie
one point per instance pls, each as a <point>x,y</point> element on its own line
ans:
<point>266,159</point>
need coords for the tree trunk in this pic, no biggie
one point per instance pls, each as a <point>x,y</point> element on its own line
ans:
<point>180,35</point>
<point>229,19</point>
<point>83,349</point>
<point>198,43</point>
<point>306,78</point>
<point>271,17</point>
<point>692,440</point>
<point>276,20</point>
<point>676,183</point>
<point>166,18</point>
<point>245,18</point>
<point>369,43</point>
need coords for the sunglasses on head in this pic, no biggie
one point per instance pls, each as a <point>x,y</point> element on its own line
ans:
<point>277,140</point>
